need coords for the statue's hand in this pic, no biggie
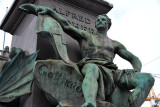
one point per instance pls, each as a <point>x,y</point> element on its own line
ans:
<point>43,10</point>
<point>129,71</point>
<point>34,9</point>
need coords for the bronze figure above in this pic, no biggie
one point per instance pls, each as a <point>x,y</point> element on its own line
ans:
<point>101,77</point>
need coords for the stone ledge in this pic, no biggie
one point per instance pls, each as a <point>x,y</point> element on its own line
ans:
<point>77,102</point>
<point>14,16</point>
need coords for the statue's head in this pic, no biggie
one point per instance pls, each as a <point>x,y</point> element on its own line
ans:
<point>103,22</point>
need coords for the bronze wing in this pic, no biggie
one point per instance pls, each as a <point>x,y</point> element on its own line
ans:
<point>17,75</point>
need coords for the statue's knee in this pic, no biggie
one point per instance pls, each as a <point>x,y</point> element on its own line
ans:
<point>150,79</point>
<point>144,80</point>
<point>90,69</point>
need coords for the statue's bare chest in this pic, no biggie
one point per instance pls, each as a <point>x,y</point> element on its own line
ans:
<point>99,43</point>
<point>98,47</point>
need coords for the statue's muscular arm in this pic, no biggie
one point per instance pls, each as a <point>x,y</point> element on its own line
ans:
<point>67,27</point>
<point>125,54</point>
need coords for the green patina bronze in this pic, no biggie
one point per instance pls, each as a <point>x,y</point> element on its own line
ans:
<point>102,80</point>
<point>17,75</point>
<point>58,80</point>
<point>49,28</point>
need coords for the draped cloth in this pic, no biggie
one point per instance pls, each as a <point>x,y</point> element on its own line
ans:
<point>108,74</point>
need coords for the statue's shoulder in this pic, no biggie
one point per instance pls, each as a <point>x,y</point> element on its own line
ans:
<point>86,34</point>
<point>117,42</point>
<point>118,45</point>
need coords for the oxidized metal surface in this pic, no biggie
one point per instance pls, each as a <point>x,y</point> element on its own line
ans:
<point>17,75</point>
<point>58,79</point>
<point>54,76</point>
<point>50,28</point>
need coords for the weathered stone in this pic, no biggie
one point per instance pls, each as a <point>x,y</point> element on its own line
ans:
<point>77,102</point>
<point>23,26</point>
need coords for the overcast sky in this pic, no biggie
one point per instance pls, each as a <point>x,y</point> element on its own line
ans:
<point>136,24</point>
<point>3,6</point>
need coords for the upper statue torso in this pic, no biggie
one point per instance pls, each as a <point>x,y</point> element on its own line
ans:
<point>97,47</point>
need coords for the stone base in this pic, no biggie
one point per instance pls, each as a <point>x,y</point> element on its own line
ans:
<point>14,103</point>
<point>36,99</point>
<point>80,101</point>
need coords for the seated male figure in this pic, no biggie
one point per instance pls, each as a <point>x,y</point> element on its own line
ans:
<point>98,52</point>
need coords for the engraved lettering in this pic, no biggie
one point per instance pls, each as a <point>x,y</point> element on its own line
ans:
<point>43,70</point>
<point>92,31</point>
<point>87,21</point>
<point>67,13</point>
<point>74,16</point>
<point>60,11</point>
<point>55,9</point>
<point>69,22</point>
<point>78,89</point>
<point>74,85</point>
<point>84,28</point>
<point>81,19</point>
<point>70,84</point>
<point>50,75</point>
<point>59,78</point>
<point>66,82</point>
<point>76,25</point>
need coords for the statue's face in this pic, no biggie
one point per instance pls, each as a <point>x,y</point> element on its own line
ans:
<point>101,23</point>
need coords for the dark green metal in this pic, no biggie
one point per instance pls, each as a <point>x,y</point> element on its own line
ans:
<point>17,75</point>
<point>102,79</point>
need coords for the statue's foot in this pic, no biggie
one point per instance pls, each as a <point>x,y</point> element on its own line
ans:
<point>89,104</point>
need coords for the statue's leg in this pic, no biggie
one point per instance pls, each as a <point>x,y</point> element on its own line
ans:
<point>141,82</point>
<point>90,84</point>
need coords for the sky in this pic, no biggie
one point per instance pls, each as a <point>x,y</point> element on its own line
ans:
<point>3,6</point>
<point>135,23</point>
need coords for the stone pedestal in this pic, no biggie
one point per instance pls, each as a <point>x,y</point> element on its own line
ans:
<point>36,99</point>
<point>81,14</point>
<point>80,101</point>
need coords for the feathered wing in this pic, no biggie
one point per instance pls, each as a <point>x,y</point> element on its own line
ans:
<point>16,76</point>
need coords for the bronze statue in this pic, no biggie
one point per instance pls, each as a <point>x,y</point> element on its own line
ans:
<point>17,75</point>
<point>98,52</point>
